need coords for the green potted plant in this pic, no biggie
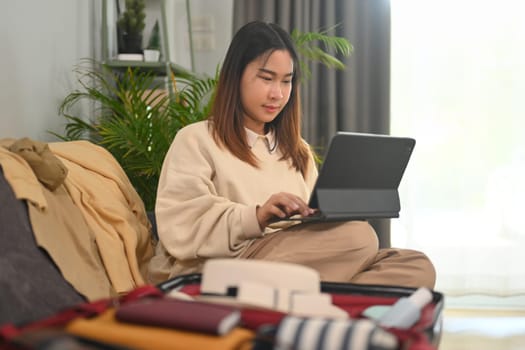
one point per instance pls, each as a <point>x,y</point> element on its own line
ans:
<point>152,50</point>
<point>130,26</point>
<point>135,117</point>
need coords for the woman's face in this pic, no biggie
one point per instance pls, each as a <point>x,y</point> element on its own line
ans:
<point>266,84</point>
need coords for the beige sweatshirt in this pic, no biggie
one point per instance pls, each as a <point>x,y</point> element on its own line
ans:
<point>207,197</point>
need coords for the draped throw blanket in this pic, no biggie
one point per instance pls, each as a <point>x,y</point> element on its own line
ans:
<point>91,221</point>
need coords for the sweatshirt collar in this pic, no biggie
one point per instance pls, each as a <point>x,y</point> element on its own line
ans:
<point>269,139</point>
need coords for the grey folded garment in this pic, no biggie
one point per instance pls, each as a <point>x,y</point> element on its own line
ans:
<point>48,169</point>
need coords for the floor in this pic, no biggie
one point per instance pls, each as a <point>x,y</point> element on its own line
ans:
<point>483,330</point>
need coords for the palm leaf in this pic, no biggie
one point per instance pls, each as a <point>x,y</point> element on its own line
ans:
<point>321,47</point>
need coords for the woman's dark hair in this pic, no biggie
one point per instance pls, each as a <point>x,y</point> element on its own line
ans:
<point>249,43</point>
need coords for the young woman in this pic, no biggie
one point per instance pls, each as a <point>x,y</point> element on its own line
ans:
<point>227,181</point>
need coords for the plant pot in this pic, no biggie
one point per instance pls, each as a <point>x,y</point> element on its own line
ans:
<point>130,43</point>
<point>151,55</point>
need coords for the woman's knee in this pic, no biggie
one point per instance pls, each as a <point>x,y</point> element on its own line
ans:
<point>361,233</point>
<point>427,271</point>
<point>356,240</point>
<point>418,266</point>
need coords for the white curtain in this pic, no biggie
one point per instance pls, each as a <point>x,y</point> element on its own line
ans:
<point>458,87</point>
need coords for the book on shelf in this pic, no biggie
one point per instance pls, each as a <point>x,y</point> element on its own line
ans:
<point>130,57</point>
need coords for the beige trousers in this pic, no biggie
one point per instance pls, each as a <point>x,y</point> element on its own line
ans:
<point>345,252</point>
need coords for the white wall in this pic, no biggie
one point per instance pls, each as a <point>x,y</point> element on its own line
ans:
<point>40,42</point>
<point>211,31</point>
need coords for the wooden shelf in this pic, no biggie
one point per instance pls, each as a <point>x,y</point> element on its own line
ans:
<point>158,68</point>
<point>162,68</point>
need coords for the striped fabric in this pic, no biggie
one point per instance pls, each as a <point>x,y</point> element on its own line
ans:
<point>318,334</point>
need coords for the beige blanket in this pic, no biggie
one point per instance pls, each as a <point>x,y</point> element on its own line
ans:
<point>94,226</point>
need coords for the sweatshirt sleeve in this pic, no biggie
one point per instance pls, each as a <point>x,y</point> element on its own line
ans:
<point>193,220</point>
<point>312,172</point>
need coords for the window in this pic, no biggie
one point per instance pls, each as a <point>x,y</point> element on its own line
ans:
<point>458,87</point>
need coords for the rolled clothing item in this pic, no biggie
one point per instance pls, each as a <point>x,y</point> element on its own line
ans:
<point>48,169</point>
<point>407,310</point>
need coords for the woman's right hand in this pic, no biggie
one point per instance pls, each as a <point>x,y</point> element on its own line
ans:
<point>281,205</point>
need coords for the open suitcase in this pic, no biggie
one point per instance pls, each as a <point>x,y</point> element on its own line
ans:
<point>353,298</point>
